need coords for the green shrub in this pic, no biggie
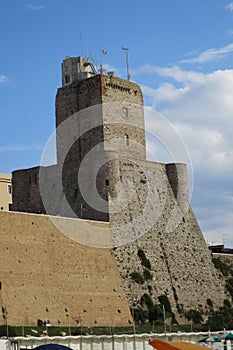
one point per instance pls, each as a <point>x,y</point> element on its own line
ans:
<point>3,331</point>
<point>221,266</point>
<point>156,314</point>
<point>194,315</point>
<point>150,288</point>
<point>209,302</point>
<point>229,286</point>
<point>144,261</point>
<point>227,303</point>
<point>147,275</point>
<point>163,299</point>
<point>40,323</point>
<point>147,300</point>
<point>138,314</point>
<point>137,277</point>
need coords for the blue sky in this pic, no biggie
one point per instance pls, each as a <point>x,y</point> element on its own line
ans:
<point>180,52</point>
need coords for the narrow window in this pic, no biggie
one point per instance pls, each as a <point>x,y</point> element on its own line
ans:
<point>125,112</point>
<point>127,140</point>
<point>35,179</point>
<point>9,189</point>
<point>75,193</point>
<point>67,79</point>
<point>106,182</point>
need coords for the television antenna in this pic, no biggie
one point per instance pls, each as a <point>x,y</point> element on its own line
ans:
<point>96,68</point>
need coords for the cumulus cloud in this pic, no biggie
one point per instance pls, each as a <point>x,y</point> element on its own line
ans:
<point>200,107</point>
<point>200,98</point>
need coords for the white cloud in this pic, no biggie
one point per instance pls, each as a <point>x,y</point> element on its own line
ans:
<point>201,109</point>
<point>3,79</point>
<point>166,92</point>
<point>230,6</point>
<point>180,75</point>
<point>34,7</point>
<point>217,226</point>
<point>202,98</point>
<point>210,54</point>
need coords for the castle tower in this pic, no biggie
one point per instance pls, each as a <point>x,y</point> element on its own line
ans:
<point>115,106</point>
<point>102,174</point>
<point>98,118</point>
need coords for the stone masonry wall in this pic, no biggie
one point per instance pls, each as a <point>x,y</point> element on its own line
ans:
<point>151,220</point>
<point>26,194</point>
<point>47,275</point>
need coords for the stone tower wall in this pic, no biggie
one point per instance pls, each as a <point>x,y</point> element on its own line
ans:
<point>26,194</point>
<point>109,108</point>
<point>178,179</point>
<point>151,219</point>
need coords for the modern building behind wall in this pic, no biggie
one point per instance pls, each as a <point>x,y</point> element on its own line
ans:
<point>5,192</point>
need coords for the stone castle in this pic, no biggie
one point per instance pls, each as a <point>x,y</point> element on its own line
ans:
<point>103,202</point>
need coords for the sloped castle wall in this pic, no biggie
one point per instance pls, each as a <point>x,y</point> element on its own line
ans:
<point>158,219</point>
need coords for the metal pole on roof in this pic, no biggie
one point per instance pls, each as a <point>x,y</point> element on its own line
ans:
<point>127,61</point>
<point>81,45</point>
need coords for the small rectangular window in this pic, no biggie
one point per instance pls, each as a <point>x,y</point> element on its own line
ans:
<point>127,140</point>
<point>67,79</point>
<point>9,189</point>
<point>106,182</point>
<point>125,112</point>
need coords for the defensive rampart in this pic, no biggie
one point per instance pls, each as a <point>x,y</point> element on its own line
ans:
<point>48,276</point>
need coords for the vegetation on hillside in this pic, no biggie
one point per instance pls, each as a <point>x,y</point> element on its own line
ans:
<point>149,311</point>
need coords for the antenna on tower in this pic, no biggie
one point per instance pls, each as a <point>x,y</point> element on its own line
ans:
<point>127,61</point>
<point>81,45</point>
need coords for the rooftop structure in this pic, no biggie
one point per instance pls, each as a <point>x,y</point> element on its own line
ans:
<point>5,192</point>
